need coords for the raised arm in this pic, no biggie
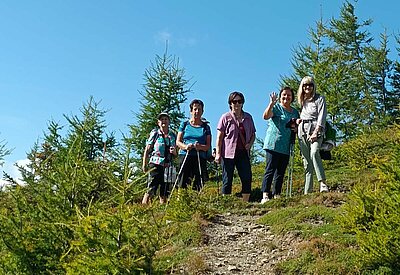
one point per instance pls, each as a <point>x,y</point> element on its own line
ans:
<point>273,98</point>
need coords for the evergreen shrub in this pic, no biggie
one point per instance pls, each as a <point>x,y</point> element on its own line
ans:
<point>372,210</point>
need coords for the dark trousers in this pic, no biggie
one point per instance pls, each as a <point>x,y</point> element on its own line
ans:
<point>156,178</point>
<point>274,172</point>
<point>190,171</point>
<point>242,163</point>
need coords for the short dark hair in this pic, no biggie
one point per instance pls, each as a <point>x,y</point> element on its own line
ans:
<point>285,89</point>
<point>196,101</point>
<point>233,95</point>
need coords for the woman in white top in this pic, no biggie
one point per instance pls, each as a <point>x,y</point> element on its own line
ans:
<point>310,132</point>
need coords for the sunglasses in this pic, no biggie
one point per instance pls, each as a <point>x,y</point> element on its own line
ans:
<point>237,101</point>
<point>308,85</point>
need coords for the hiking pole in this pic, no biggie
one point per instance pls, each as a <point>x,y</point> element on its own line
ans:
<point>177,176</point>
<point>216,170</point>
<point>201,176</point>
<point>288,187</point>
<point>167,179</point>
<point>289,184</point>
<point>291,169</point>
<point>167,168</point>
<point>171,173</point>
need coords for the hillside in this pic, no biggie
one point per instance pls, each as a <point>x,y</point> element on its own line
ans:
<point>81,217</point>
<point>305,234</point>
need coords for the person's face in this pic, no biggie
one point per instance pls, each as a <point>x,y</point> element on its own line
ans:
<point>163,122</point>
<point>197,111</point>
<point>237,103</point>
<point>286,97</point>
<point>308,88</point>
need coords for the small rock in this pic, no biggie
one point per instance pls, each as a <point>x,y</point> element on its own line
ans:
<point>233,268</point>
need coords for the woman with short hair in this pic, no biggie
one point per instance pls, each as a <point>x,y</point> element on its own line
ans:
<point>194,140</point>
<point>277,143</point>
<point>235,137</point>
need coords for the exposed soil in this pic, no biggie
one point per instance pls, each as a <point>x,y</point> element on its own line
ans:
<point>237,244</point>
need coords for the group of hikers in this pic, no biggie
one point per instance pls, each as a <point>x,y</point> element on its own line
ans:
<point>235,137</point>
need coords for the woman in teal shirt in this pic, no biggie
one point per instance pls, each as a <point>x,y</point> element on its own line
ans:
<point>194,139</point>
<point>281,117</point>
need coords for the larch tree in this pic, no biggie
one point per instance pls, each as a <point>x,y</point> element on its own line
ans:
<point>349,71</point>
<point>393,94</point>
<point>165,89</point>
<point>378,69</point>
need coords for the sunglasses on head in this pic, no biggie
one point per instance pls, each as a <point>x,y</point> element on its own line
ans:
<point>237,101</point>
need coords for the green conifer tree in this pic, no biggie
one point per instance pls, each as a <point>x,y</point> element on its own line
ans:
<point>72,214</point>
<point>378,68</point>
<point>347,69</point>
<point>165,89</point>
<point>393,94</point>
<point>4,151</point>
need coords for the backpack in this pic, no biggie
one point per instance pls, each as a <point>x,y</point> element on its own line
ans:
<point>209,155</point>
<point>329,140</point>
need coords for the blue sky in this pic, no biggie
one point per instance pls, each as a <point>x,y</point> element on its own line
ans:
<point>55,54</point>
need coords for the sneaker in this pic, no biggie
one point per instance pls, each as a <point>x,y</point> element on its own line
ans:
<point>323,187</point>
<point>264,200</point>
<point>277,196</point>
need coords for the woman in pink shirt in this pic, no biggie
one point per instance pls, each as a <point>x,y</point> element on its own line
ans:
<point>235,136</point>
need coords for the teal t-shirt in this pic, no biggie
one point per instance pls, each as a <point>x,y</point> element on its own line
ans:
<point>277,137</point>
<point>194,134</point>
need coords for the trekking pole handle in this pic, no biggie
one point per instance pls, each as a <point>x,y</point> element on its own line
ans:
<point>189,146</point>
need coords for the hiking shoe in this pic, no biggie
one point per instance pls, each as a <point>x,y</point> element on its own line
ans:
<point>264,200</point>
<point>323,187</point>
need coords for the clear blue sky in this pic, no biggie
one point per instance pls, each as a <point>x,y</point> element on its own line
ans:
<point>55,54</point>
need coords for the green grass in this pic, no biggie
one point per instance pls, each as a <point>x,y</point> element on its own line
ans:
<point>340,232</point>
<point>321,257</point>
<point>326,246</point>
<point>325,249</point>
<point>323,246</point>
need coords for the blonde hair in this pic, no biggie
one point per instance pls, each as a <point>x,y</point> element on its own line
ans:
<point>300,92</point>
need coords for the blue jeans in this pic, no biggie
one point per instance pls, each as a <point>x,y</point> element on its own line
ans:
<point>276,164</point>
<point>243,166</point>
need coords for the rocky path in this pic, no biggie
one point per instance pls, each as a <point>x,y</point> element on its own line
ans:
<point>236,244</point>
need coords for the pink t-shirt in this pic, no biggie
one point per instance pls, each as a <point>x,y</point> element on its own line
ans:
<point>227,125</point>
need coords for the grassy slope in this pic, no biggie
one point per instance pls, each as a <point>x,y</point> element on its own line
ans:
<point>326,248</point>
